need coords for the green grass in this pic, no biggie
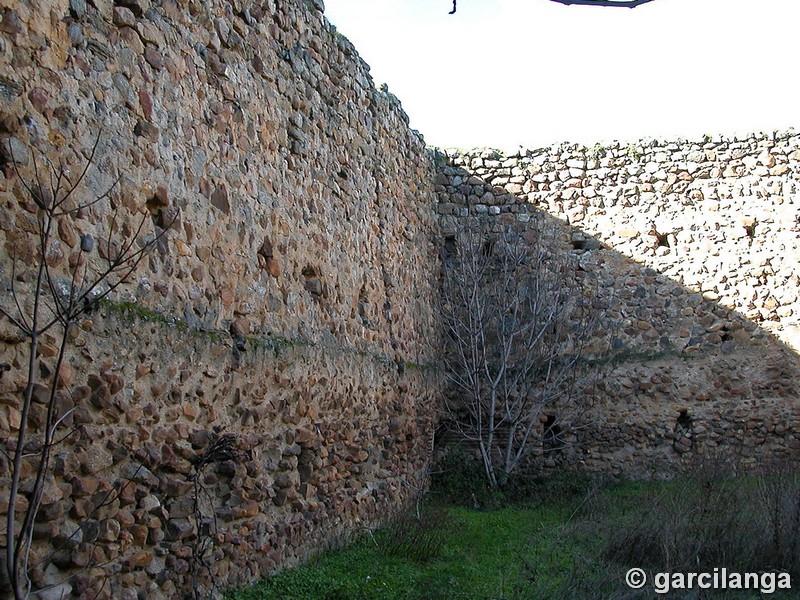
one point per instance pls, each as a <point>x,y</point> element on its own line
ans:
<point>561,539</point>
<point>487,554</point>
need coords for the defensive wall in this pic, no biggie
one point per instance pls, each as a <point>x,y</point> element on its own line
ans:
<point>289,301</point>
<point>275,308</point>
<point>692,248</point>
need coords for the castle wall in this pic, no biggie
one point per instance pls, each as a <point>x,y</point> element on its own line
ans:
<point>265,382</point>
<point>692,247</point>
<point>286,303</point>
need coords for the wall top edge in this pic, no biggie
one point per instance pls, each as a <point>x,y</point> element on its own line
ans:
<point>521,151</point>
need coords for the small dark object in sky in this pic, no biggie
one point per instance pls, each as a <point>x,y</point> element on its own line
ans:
<point>612,3</point>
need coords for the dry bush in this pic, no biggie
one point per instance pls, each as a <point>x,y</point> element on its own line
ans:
<point>417,536</point>
<point>715,516</point>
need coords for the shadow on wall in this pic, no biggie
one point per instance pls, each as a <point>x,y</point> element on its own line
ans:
<point>693,249</point>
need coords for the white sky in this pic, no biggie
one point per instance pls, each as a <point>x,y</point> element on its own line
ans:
<point>503,73</point>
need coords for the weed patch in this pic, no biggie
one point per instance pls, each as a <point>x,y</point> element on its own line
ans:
<point>417,537</point>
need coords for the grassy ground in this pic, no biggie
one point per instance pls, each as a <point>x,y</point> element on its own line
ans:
<point>567,540</point>
<point>484,556</point>
<point>522,551</point>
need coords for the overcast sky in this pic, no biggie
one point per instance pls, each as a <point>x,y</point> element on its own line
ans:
<point>533,72</point>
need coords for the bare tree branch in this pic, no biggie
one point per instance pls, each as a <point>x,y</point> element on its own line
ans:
<point>57,304</point>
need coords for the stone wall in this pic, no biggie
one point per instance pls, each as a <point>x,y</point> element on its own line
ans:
<point>693,247</point>
<point>287,302</point>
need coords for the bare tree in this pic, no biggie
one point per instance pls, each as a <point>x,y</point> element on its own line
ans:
<point>516,327</point>
<point>54,297</point>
